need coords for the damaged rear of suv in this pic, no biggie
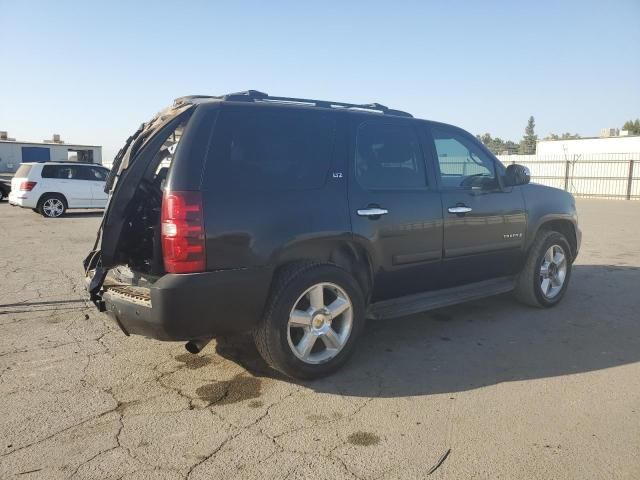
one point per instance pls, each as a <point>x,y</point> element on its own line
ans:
<point>295,219</point>
<point>148,268</point>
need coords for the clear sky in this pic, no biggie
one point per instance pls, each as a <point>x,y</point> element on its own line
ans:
<point>93,71</point>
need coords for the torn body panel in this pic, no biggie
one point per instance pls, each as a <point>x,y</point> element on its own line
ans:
<point>135,192</point>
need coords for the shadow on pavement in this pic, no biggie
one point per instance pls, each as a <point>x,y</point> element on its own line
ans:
<point>41,306</point>
<point>488,342</point>
<point>82,214</point>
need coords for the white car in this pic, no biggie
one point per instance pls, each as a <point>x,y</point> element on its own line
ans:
<point>53,187</point>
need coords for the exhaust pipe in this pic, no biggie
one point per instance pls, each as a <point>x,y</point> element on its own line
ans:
<point>196,346</point>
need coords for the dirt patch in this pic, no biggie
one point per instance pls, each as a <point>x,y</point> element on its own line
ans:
<point>363,439</point>
<point>122,406</point>
<point>256,404</point>
<point>237,389</point>
<point>317,418</point>
<point>194,362</point>
<point>323,418</point>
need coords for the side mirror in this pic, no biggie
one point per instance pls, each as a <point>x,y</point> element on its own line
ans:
<point>516,175</point>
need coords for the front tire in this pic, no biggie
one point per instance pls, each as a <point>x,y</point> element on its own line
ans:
<point>52,206</point>
<point>313,317</point>
<point>544,279</point>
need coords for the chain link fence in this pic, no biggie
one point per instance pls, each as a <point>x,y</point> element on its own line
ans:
<point>613,175</point>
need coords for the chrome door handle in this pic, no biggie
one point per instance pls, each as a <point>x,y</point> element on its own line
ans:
<point>372,212</point>
<point>459,209</point>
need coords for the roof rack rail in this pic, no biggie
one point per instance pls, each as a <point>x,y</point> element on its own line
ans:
<point>71,161</point>
<point>256,96</point>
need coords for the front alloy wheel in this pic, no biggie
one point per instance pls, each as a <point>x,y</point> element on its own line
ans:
<point>553,271</point>
<point>320,323</point>
<point>543,280</point>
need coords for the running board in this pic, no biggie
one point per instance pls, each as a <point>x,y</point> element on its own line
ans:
<point>422,302</point>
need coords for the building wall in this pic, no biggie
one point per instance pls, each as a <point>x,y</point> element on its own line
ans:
<point>586,146</point>
<point>11,153</point>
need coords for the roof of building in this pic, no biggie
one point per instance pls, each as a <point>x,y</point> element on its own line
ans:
<point>49,144</point>
<point>585,138</point>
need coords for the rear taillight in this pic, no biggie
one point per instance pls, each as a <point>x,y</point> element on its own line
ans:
<point>27,186</point>
<point>183,247</point>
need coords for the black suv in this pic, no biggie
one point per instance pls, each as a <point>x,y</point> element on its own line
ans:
<point>296,219</point>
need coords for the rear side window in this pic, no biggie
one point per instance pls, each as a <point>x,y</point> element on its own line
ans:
<point>23,171</point>
<point>388,156</point>
<point>266,149</point>
<point>66,172</point>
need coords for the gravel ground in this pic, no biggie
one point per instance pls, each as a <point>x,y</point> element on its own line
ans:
<point>508,391</point>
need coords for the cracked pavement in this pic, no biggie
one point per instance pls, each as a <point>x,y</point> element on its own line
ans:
<point>514,392</point>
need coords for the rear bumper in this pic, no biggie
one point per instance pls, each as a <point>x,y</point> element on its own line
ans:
<point>189,306</point>
<point>22,199</point>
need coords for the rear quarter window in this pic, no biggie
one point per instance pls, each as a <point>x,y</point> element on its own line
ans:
<point>23,171</point>
<point>272,149</point>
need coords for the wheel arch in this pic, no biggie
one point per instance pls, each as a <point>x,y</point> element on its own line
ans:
<point>342,252</point>
<point>58,194</point>
<point>565,226</point>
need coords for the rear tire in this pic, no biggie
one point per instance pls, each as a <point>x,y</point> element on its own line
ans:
<point>311,322</point>
<point>52,205</point>
<point>544,279</point>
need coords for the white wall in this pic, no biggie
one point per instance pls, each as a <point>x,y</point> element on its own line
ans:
<point>11,153</point>
<point>586,146</point>
<point>601,175</point>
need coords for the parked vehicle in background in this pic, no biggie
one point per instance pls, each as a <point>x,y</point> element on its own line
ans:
<point>5,188</point>
<point>295,219</point>
<point>52,188</point>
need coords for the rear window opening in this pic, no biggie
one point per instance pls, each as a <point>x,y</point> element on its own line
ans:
<point>141,247</point>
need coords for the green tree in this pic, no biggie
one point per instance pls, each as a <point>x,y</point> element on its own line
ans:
<point>511,147</point>
<point>528,142</point>
<point>633,127</point>
<point>497,145</point>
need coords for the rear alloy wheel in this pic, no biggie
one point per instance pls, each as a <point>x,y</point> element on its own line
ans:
<point>52,206</point>
<point>312,320</point>
<point>320,323</point>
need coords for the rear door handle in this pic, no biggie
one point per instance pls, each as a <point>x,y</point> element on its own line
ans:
<point>459,209</point>
<point>372,212</point>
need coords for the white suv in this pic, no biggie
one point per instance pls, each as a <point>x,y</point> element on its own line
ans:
<point>51,188</point>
